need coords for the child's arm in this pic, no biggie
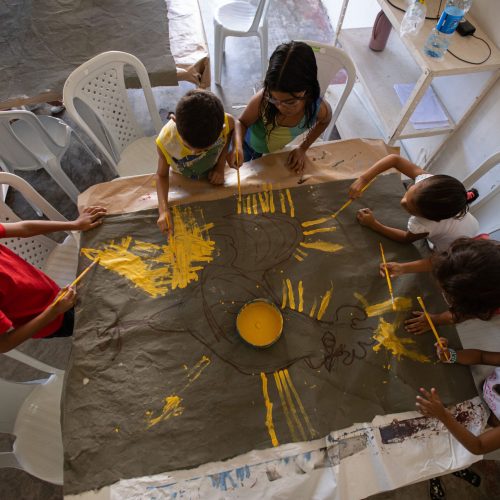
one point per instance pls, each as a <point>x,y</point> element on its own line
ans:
<point>419,324</point>
<point>162,185</point>
<point>366,218</point>
<point>11,339</point>
<point>467,356</point>
<point>398,269</point>
<point>390,161</point>
<point>216,175</point>
<point>249,116</point>
<point>89,218</point>
<point>296,158</point>
<point>431,406</point>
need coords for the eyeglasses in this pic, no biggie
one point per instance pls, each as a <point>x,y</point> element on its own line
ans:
<point>289,103</point>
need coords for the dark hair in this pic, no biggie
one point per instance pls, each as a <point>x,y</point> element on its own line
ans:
<point>292,69</point>
<point>443,197</point>
<point>199,117</point>
<point>469,274</point>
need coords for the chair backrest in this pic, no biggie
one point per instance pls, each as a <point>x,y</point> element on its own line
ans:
<point>96,98</point>
<point>260,15</point>
<point>36,249</point>
<point>16,153</point>
<point>487,207</point>
<point>31,412</point>
<point>330,61</point>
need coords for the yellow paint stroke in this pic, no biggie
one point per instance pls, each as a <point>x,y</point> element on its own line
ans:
<point>298,257</point>
<point>239,206</point>
<point>301,297</point>
<point>315,222</point>
<point>363,301</point>
<point>320,230</point>
<point>284,407</point>
<point>263,205</point>
<point>311,429</point>
<point>291,298</point>
<point>313,309</point>
<point>385,335</point>
<point>400,304</point>
<point>324,246</point>
<point>271,199</point>
<point>197,369</point>
<point>249,205</point>
<point>282,202</point>
<point>301,252</point>
<point>291,405</point>
<point>324,303</point>
<point>290,202</point>
<point>254,204</point>
<point>269,411</point>
<point>283,300</point>
<point>171,408</point>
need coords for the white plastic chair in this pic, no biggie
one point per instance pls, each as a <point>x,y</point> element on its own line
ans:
<point>487,207</point>
<point>31,142</point>
<point>31,411</point>
<point>57,260</point>
<point>240,19</point>
<point>96,98</point>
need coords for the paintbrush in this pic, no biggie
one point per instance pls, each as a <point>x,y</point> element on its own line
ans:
<point>238,175</point>
<point>82,274</point>
<point>350,200</point>
<point>387,277</point>
<point>172,245</point>
<point>433,328</point>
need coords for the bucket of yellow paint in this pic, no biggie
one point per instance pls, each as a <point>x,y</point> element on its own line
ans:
<point>259,323</point>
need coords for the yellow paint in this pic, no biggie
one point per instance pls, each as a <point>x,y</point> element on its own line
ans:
<point>157,269</point>
<point>269,411</point>
<point>301,252</point>
<point>363,301</point>
<point>171,408</point>
<point>301,297</point>
<point>254,204</point>
<point>259,323</point>
<point>291,298</point>
<point>266,200</point>
<point>385,335</point>
<point>291,405</point>
<point>311,429</point>
<point>324,246</point>
<point>197,369</point>
<point>324,303</point>
<point>400,304</point>
<point>284,407</point>
<point>290,202</point>
<point>272,208</point>
<point>263,205</point>
<point>249,205</point>
<point>284,295</point>
<point>298,257</point>
<point>239,206</point>
<point>313,309</point>
<point>282,202</point>
<point>315,222</point>
<point>320,230</point>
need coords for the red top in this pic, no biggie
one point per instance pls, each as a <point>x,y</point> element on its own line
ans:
<point>25,292</point>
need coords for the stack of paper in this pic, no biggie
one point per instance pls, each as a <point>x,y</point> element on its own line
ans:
<point>429,113</point>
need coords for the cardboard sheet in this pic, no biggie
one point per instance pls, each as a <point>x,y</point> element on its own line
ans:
<point>42,42</point>
<point>160,380</point>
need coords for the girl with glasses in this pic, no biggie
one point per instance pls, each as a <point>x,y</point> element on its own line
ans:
<point>287,106</point>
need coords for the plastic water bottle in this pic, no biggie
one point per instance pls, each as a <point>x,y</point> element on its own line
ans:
<point>414,18</point>
<point>439,40</point>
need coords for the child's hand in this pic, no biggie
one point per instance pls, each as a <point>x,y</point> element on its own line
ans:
<point>365,217</point>
<point>430,405</point>
<point>394,269</point>
<point>418,324</point>
<point>356,188</point>
<point>166,223</point>
<point>90,218</point>
<point>296,160</point>
<point>443,354</point>
<point>67,302</point>
<point>216,176</point>
<point>231,156</point>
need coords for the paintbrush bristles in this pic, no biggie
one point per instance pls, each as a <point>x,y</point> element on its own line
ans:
<point>433,328</point>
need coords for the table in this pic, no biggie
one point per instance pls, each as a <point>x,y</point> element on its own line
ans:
<point>403,61</point>
<point>122,429</point>
<point>42,42</point>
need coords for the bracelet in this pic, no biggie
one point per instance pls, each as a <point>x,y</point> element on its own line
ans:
<point>453,356</point>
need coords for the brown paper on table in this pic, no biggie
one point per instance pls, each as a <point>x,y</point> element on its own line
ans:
<point>329,161</point>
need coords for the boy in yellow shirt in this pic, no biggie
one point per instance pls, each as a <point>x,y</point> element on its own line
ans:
<point>194,143</point>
